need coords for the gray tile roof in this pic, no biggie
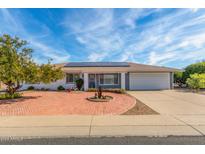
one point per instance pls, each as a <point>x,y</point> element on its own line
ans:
<point>113,67</point>
<point>97,64</point>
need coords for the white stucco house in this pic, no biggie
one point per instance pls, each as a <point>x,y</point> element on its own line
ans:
<point>125,75</point>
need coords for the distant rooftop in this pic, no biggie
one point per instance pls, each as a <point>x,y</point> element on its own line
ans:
<point>97,64</point>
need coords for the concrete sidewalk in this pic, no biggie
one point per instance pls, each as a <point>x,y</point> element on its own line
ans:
<point>95,126</point>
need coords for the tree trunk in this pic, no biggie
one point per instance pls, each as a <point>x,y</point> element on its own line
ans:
<point>99,92</point>
<point>12,87</point>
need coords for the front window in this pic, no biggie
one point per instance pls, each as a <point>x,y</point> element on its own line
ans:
<point>109,79</point>
<point>71,78</point>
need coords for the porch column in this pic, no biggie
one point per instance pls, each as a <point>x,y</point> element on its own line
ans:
<point>171,80</point>
<point>122,80</point>
<point>85,81</point>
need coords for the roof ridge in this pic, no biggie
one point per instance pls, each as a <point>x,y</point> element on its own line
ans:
<point>97,64</point>
<point>149,65</point>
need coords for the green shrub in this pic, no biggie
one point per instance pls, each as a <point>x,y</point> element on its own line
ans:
<point>44,89</point>
<point>196,81</point>
<point>114,90</point>
<point>79,83</point>
<point>30,88</point>
<point>7,96</point>
<point>60,88</point>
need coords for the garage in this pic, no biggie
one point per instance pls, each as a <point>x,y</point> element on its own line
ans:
<point>149,81</point>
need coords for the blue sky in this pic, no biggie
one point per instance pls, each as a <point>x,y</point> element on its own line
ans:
<point>168,37</point>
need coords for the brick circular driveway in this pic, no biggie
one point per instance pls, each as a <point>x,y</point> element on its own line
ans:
<point>64,103</point>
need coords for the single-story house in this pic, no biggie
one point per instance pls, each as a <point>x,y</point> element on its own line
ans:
<point>125,75</point>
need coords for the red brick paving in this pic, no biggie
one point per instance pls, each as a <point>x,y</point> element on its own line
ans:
<point>64,103</point>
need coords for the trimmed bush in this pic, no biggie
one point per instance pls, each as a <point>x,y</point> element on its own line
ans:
<point>60,88</point>
<point>30,88</point>
<point>117,90</point>
<point>7,96</point>
<point>79,83</point>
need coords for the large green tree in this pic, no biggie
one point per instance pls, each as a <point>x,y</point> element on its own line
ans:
<point>192,69</point>
<point>17,66</point>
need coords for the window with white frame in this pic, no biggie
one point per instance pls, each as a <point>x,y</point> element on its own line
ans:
<point>71,78</point>
<point>109,79</point>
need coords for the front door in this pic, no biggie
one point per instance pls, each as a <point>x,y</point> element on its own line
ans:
<point>91,80</point>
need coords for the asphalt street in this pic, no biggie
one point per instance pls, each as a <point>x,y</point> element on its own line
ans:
<point>171,140</point>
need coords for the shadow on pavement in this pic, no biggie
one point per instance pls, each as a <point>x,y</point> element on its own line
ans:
<point>12,101</point>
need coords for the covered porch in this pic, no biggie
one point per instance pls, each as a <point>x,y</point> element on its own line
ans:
<point>105,80</point>
<point>94,80</point>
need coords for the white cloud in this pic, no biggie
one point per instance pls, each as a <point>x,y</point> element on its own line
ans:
<point>161,38</point>
<point>8,17</point>
<point>167,35</point>
<point>197,40</point>
<point>89,21</point>
<point>57,55</point>
<point>155,58</point>
<point>98,30</point>
<point>96,56</point>
<point>194,9</point>
<point>13,24</point>
<point>184,44</point>
<point>173,37</point>
<point>127,56</point>
<point>96,34</point>
<point>130,17</point>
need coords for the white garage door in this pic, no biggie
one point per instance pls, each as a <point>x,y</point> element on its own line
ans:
<point>149,81</point>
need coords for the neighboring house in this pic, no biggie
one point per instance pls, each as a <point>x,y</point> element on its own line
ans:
<point>125,75</point>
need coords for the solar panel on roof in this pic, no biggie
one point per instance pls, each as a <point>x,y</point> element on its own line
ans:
<point>97,64</point>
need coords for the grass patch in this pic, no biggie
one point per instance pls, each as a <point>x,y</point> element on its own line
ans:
<point>7,96</point>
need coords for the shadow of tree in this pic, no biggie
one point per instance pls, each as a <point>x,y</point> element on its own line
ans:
<point>21,99</point>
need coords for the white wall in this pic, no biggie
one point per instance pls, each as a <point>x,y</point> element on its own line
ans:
<point>122,80</point>
<point>51,86</point>
<point>85,81</point>
<point>149,81</point>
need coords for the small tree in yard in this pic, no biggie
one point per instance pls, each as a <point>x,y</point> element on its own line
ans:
<point>178,78</point>
<point>17,66</point>
<point>196,81</point>
<point>99,92</point>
